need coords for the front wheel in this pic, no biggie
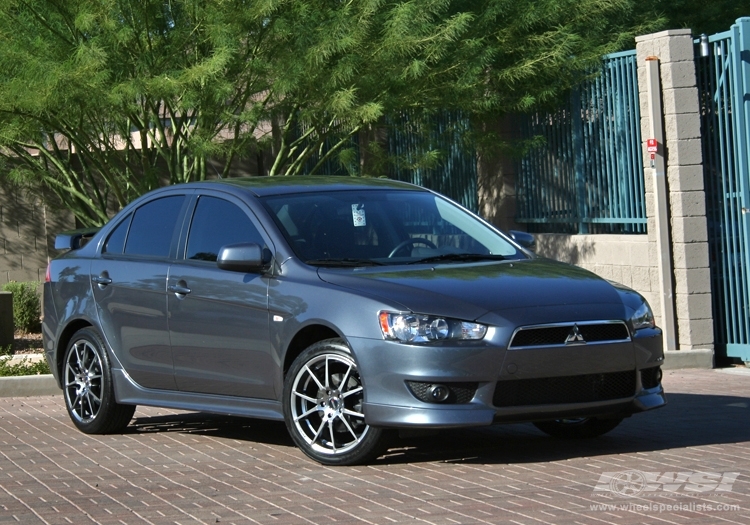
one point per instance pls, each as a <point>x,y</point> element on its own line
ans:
<point>323,396</point>
<point>88,389</point>
<point>579,428</point>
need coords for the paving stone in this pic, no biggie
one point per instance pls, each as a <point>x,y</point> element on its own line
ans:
<point>179,467</point>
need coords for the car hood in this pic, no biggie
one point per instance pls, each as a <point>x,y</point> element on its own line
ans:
<point>468,291</point>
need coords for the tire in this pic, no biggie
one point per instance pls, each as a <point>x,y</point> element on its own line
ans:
<point>323,417</point>
<point>88,389</point>
<point>581,428</point>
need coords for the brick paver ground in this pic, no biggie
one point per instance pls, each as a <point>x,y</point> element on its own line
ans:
<point>185,468</point>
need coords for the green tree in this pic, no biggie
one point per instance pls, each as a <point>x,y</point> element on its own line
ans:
<point>103,100</point>
<point>711,17</point>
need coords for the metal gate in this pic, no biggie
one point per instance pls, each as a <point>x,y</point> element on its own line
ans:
<point>724,91</point>
<point>587,177</point>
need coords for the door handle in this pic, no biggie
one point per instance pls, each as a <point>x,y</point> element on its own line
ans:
<point>179,289</point>
<point>102,280</point>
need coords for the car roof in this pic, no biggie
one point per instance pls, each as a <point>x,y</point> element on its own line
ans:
<point>281,185</point>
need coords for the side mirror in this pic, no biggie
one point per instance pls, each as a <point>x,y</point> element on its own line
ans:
<point>245,257</point>
<point>524,239</point>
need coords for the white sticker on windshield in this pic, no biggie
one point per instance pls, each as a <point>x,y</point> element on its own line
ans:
<point>358,215</point>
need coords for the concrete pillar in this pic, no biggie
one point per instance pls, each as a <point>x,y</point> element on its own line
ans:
<point>6,319</point>
<point>687,200</point>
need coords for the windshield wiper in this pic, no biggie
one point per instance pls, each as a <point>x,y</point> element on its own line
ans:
<point>460,257</point>
<point>343,261</point>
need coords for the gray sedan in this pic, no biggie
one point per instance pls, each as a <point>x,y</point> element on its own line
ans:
<point>347,307</point>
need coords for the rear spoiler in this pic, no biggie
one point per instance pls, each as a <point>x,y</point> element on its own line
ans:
<point>74,239</point>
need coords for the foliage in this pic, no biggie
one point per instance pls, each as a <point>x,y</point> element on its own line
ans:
<point>26,305</point>
<point>103,100</point>
<point>702,17</point>
<point>23,367</point>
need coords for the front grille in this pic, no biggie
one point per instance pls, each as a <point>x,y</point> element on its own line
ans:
<point>560,390</point>
<point>651,377</point>
<point>598,332</point>
<point>460,392</point>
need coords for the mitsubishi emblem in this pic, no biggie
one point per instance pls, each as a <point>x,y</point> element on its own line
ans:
<point>575,337</point>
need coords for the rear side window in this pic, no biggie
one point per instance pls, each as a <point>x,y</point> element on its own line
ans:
<point>116,241</point>
<point>153,227</point>
<point>215,223</point>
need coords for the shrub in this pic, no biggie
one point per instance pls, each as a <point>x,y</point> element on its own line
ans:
<point>26,305</point>
<point>25,367</point>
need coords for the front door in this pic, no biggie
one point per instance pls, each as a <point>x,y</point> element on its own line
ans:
<point>218,320</point>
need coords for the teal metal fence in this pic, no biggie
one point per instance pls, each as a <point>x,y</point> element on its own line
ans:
<point>587,176</point>
<point>454,173</point>
<point>724,90</point>
<point>411,139</point>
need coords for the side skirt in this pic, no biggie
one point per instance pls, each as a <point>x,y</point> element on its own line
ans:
<point>130,393</point>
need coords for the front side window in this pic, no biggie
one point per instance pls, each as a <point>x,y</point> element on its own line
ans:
<point>216,223</point>
<point>153,226</point>
<point>383,227</point>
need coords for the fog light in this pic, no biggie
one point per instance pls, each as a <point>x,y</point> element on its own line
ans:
<point>439,393</point>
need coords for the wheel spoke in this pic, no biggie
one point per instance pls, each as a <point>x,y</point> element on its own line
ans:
<point>353,413</point>
<point>79,358</point>
<point>304,415</point>
<point>306,398</point>
<point>315,378</point>
<point>78,402</point>
<point>326,373</point>
<point>96,398</point>
<point>353,391</point>
<point>342,385</point>
<point>349,428</point>
<point>89,403</point>
<point>330,431</point>
<point>71,371</point>
<point>320,430</point>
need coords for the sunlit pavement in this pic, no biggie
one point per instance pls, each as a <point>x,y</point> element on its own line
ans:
<point>686,463</point>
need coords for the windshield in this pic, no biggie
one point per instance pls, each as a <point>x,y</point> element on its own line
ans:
<point>383,227</point>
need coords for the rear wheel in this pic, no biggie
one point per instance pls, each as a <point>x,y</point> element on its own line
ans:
<point>579,428</point>
<point>323,396</point>
<point>88,389</point>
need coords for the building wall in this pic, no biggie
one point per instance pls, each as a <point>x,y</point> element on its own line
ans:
<point>28,224</point>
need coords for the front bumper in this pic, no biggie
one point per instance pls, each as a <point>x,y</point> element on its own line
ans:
<point>387,367</point>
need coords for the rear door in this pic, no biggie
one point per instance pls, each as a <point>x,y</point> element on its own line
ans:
<point>129,281</point>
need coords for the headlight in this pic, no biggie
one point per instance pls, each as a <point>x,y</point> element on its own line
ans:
<point>420,328</point>
<point>643,317</point>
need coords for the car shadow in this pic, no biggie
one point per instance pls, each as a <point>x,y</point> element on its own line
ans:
<point>688,420</point>
<point>219,426</point>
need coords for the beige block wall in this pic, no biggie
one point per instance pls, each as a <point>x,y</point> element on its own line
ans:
<point>28,224</point>
<point>684,177</point>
